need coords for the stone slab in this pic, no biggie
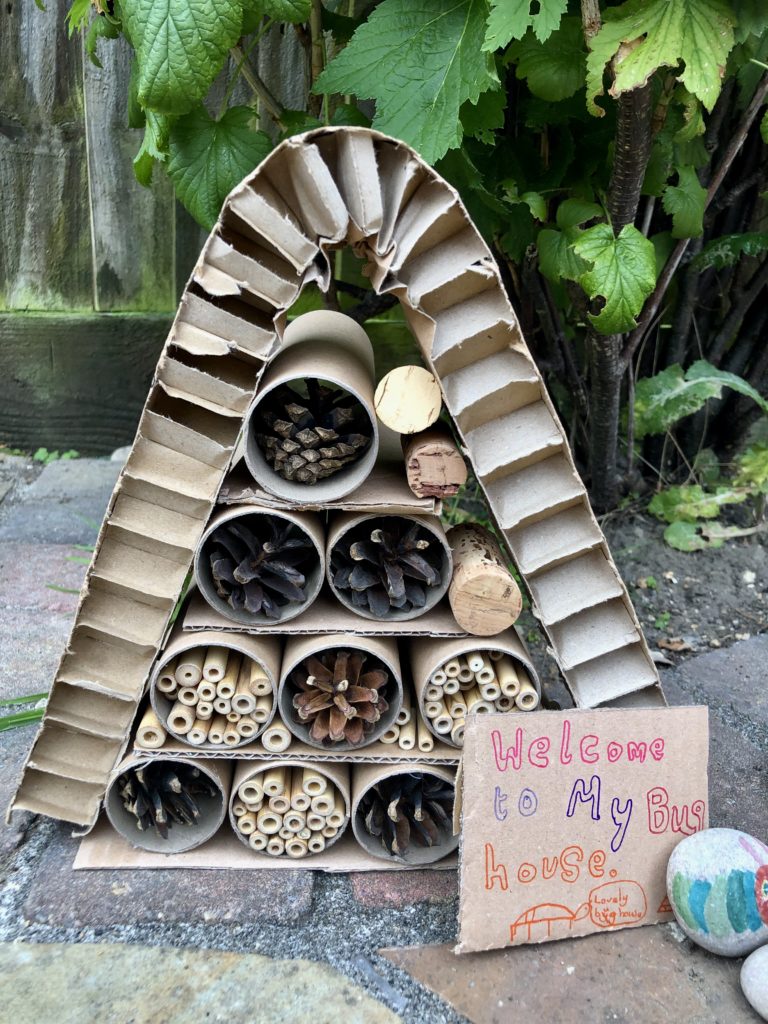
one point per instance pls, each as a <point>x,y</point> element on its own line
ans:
<point>14,745</point>
<point>29,571</point>
<point>31,644</point>
<point>143,984</point>
<point>64,898</point>
<point>637,976</point>
<point>403,889</point>
<point>69,479</point>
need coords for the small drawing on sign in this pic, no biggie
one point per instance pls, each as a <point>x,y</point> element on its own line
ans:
<point>612,905</point>
<point>538,921</point>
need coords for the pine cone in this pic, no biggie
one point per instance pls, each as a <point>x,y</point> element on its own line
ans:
<point>414,806</point>
<point>340,701</point>
<point>260,566</point>
<point>161,793</point>
<point>385,563</point>
<point>309,437</point>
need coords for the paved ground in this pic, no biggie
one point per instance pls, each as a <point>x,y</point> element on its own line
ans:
<point>307,918</point>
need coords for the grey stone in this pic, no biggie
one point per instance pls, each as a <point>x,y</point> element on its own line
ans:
<point>112,984</point>
<point>754,981</point>
<point>120,454</point>
<point>63,897</point>
<point>31,644</point>
<point>67,479</point>
<point>14,744</point>
<point>708,913</point>
<point>30,572</point>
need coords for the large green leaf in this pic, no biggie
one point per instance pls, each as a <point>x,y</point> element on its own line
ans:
<point>649,34</point>
<point>663,400</point>
<point>293,11</point>
<point>752,468</point>
<point>688,503</point>
<point>623,272</point>
<point>482,118</point>
<point>728,249</point>
<point>181,45</point>
<point>511,19</point>
<point>553,70</point>
<point>685,203</point>
<point>154,146</point>
<point>556,256</point>
<point>208,158</point>
<point>420,60</point>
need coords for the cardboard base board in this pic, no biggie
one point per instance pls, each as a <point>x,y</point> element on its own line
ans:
<point>103,849</point>
<point>376,753</point>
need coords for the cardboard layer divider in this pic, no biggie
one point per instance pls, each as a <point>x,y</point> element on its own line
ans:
<point>264,651</point>
<point>277,232</point>
<point>386,488</point>
<point>376,753</point>
<point>568,820</point>
<point>379,649</point>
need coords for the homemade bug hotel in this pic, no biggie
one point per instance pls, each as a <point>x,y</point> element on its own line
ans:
<point>307,701</point>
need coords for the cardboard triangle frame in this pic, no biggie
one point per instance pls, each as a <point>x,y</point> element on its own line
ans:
<point>276,231</point>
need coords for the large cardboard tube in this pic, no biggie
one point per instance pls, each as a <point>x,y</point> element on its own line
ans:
<point>297,648</point>
<point>344,526</point>
<point>429,656</point>
<point>308,523</point>
<point>364,776</point>
<point>180,837</point>
<point>332,347</point>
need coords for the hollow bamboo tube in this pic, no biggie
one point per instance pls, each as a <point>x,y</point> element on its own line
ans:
<point>259,684</point>
<point>262,709</point>
<point>275,781</point>
<point>151,735</point>
<point>323,804</point>
<point>391,735</point>
<point>300,801</point>
<point>181,718</point>
<point>305,833</point>
<point>243,701</point>
<point>296,847</point>
<point>316,843</point>
<point>507,674</point>
<point>206,691</point>
<point>233,718</point>
<point>433,708</point>
<point>285,833</point>
<point>433,692</point>
<point>438,677</point>
<point>466,685</point>
<point>452,667</point>
<point>279,803</point>
<point>276,738</point>
<point>166,680</point>
<point>187,695</point>
<point>216,730</point>
<point>198,734</point>
<point>408,399</point>
<point>495,655</point>
<point>457,707</point>
<point>189,667</point>
<point>442,724</point>
<point>486,672</point>
<point>246,727</point>
<point>276,847</point>
<point>227,685</point>
<point>457,731</point>
<point>472,698</point>
<point>404,714</point>
<point>215,664</point>
<point>239,808</point>
<point>452,686</point>
<point>222,705</point>
<point>528,698</point>
<point>257,841</point>
<point>269,822</point>
<point>475,660</point>
<point>434,466</point>
<point>252,790</point>
<point>329,832</point>
<point>231,735</point>
<point>484,596</point>
<point>335,818</point>
<point>246,823</point>
<point>407,737</point>
<point>295,821</point>
<point>466,674</point>
<point>315,822</point>
<point>253,805</point>
<point>313,783</point>
<point>204,710</point>
<point>425,738</point>
<point>504,703</point>
<point>490,691</point>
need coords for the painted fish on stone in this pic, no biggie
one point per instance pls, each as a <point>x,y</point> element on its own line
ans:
<point>717,882</point>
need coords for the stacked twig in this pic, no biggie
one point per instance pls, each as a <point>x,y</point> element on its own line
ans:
<point>409,730</point>
<point>220,697</point>
<point>475,683</point>
<point>161,794</point>
<point>288,811</point>
<point>408,810</point>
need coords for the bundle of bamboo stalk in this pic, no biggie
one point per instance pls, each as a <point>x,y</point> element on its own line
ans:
<point>475,683</point>
<point>409,730</point>
<point>220,697</point>
<point>287,810</point>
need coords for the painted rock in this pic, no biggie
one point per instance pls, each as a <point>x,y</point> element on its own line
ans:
<point>754,981</point>
<point>717,883</point>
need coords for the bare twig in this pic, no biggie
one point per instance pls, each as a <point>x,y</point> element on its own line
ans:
<point>258,86</point>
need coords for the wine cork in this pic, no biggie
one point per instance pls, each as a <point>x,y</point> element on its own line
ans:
<point>408,399</point>
<point>150,733</point>
<point>189,667</point>
<point>484,596</point>
<point>434,466</point>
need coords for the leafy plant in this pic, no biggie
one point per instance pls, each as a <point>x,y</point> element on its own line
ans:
<point>27,717</point>
<point>45,456</point>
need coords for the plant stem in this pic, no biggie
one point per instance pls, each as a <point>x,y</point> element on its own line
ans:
<point>316,53</point>
<point>259,88</point>
<point>240,64</point>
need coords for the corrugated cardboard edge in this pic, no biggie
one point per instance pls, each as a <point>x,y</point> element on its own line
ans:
<point>423,248</point>
<point>376,753</point>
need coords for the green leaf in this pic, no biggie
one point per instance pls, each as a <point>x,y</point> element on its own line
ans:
<point>536,203</point>
<point>30,698</point>
<point>420,62</point>
<point>764,128</point>
<point>520,232</point>
<point>557,259</point>
<point>511,19</point>
<point>154,146</point>
<point>208,158</point>
<point>728,249</point>
<point>573,212</point>
<point>348,113</point>
<point>623,272</point>
<point>77,15</point>
<point>691,502</point>
<point>295,122</point>
<point>693,121</point>
<point>481,119</point>
<point>663,400</point>
<point>293,11</point>
<point>100,28</point>
<point>650,34</point>
<point>181,45</point>
<point>752,467</point>
<point>553,70</point>
<point>685,203</point>
<point>686,537</point>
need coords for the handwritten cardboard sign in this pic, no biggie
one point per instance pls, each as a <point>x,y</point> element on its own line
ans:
<point>569,819</point>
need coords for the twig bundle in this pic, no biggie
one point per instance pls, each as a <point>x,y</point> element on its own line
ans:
<point>289,811</point>
<point>408,809</point>
<point>162,794</point>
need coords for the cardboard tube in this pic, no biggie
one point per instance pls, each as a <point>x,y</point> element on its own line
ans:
<point>180,837</point>
<point>408,399</point>
<point>434,465</point>
<point>181,719</point>
<point>151,735</point>
<point>297,648</point>
<point>484,596</point>
<point>528,697</point>
<point>296,847</point>
<point>427,655</point>
<point>310,524</point>
<point>332,347</point>
<point>189,667</point>
<point>347,523</point>
<point>276,738</point>
<point>367,775</point>
<point>215,664</point>
<point>258,842</point>
<point>198,734</point>
<point>407,738</point>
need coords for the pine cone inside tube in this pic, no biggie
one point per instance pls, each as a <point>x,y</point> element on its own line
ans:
<point>411,808</point>
<point>386,563</point>
<point>260,563</point>
<point>310,430</point>
<point>341,695</point>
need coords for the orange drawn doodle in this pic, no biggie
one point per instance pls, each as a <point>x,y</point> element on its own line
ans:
<point>543,917</point>
<point>665,907</point>
<point>611,905</point>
